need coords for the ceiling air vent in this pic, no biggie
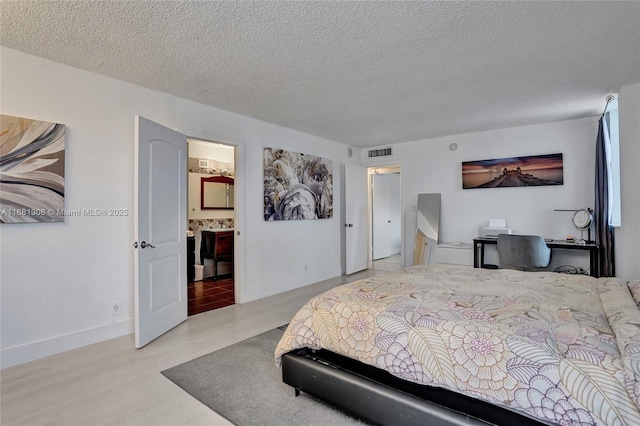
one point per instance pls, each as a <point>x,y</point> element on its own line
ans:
<point>384,152</point>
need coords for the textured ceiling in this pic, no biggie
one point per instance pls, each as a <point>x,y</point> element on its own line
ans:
<point>362,73</point>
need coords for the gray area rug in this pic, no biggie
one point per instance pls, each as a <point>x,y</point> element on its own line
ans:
<point>242,383</point>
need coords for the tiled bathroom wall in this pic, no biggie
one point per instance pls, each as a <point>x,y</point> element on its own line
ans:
<point>195,225</point>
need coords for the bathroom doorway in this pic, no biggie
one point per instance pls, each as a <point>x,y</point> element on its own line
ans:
<point>211,223</point>
<point>386,218</point>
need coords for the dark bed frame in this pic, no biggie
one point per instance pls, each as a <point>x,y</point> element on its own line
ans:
<point>381,398</point>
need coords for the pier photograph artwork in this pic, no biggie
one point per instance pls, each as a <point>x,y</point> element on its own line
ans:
<point>535,170</point>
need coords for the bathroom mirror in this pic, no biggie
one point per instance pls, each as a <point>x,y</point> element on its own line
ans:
<point>216,192</point>
<point>428,225</point>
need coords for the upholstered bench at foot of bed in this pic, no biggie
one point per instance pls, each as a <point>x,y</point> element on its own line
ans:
<point>380,398</point>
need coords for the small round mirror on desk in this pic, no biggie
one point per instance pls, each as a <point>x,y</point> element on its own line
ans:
<point>582,220</point>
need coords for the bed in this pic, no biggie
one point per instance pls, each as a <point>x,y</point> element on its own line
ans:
<point>450,344</point>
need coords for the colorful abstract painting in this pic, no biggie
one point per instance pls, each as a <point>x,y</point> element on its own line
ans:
<point>297,186</point>
<point>31,170</point>
<point>536,170</point>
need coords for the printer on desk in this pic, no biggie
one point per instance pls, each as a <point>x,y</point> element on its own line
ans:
<point>495,228</point>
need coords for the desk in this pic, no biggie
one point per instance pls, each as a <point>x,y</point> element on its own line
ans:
<point>592,248</point>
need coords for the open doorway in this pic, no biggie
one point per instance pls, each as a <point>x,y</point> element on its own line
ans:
<point>211,222</point>
<point>386,218</point>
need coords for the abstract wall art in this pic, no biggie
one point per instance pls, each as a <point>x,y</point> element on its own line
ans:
<point>297,186</point>
<point>535,170</point>
<point>31,170</point>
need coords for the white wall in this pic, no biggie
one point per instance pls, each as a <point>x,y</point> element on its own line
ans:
<point>57,280</point>
<point>214,151</point>
<point>627,237</point>
<point>429,166</point>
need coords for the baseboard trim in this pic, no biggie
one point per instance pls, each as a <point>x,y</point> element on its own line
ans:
<point>27,352</point>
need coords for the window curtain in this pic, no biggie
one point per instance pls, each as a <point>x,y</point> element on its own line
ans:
<point>602,210</point>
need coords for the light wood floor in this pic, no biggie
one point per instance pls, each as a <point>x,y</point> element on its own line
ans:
<point>112,383</point>
<point>389,264</point>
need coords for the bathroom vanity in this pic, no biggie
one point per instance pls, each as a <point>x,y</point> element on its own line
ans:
<point>217,245</point>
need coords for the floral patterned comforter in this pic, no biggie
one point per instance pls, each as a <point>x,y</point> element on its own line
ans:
<point>562,348</point>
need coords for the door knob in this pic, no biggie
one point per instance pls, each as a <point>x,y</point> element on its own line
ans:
<point>146,244</point>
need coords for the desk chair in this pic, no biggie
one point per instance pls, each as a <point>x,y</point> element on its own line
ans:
<point>523,252</point>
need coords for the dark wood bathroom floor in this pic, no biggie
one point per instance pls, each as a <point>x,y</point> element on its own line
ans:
<point>208,294</point>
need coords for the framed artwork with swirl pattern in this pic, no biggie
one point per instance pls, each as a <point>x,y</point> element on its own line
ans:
<point>297,186</point>
<point>31,170</point>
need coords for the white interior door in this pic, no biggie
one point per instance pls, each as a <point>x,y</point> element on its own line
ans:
<point>395,214</point>
<point>381,215</point>
<point>160,225</point>
<point>356,223</point>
